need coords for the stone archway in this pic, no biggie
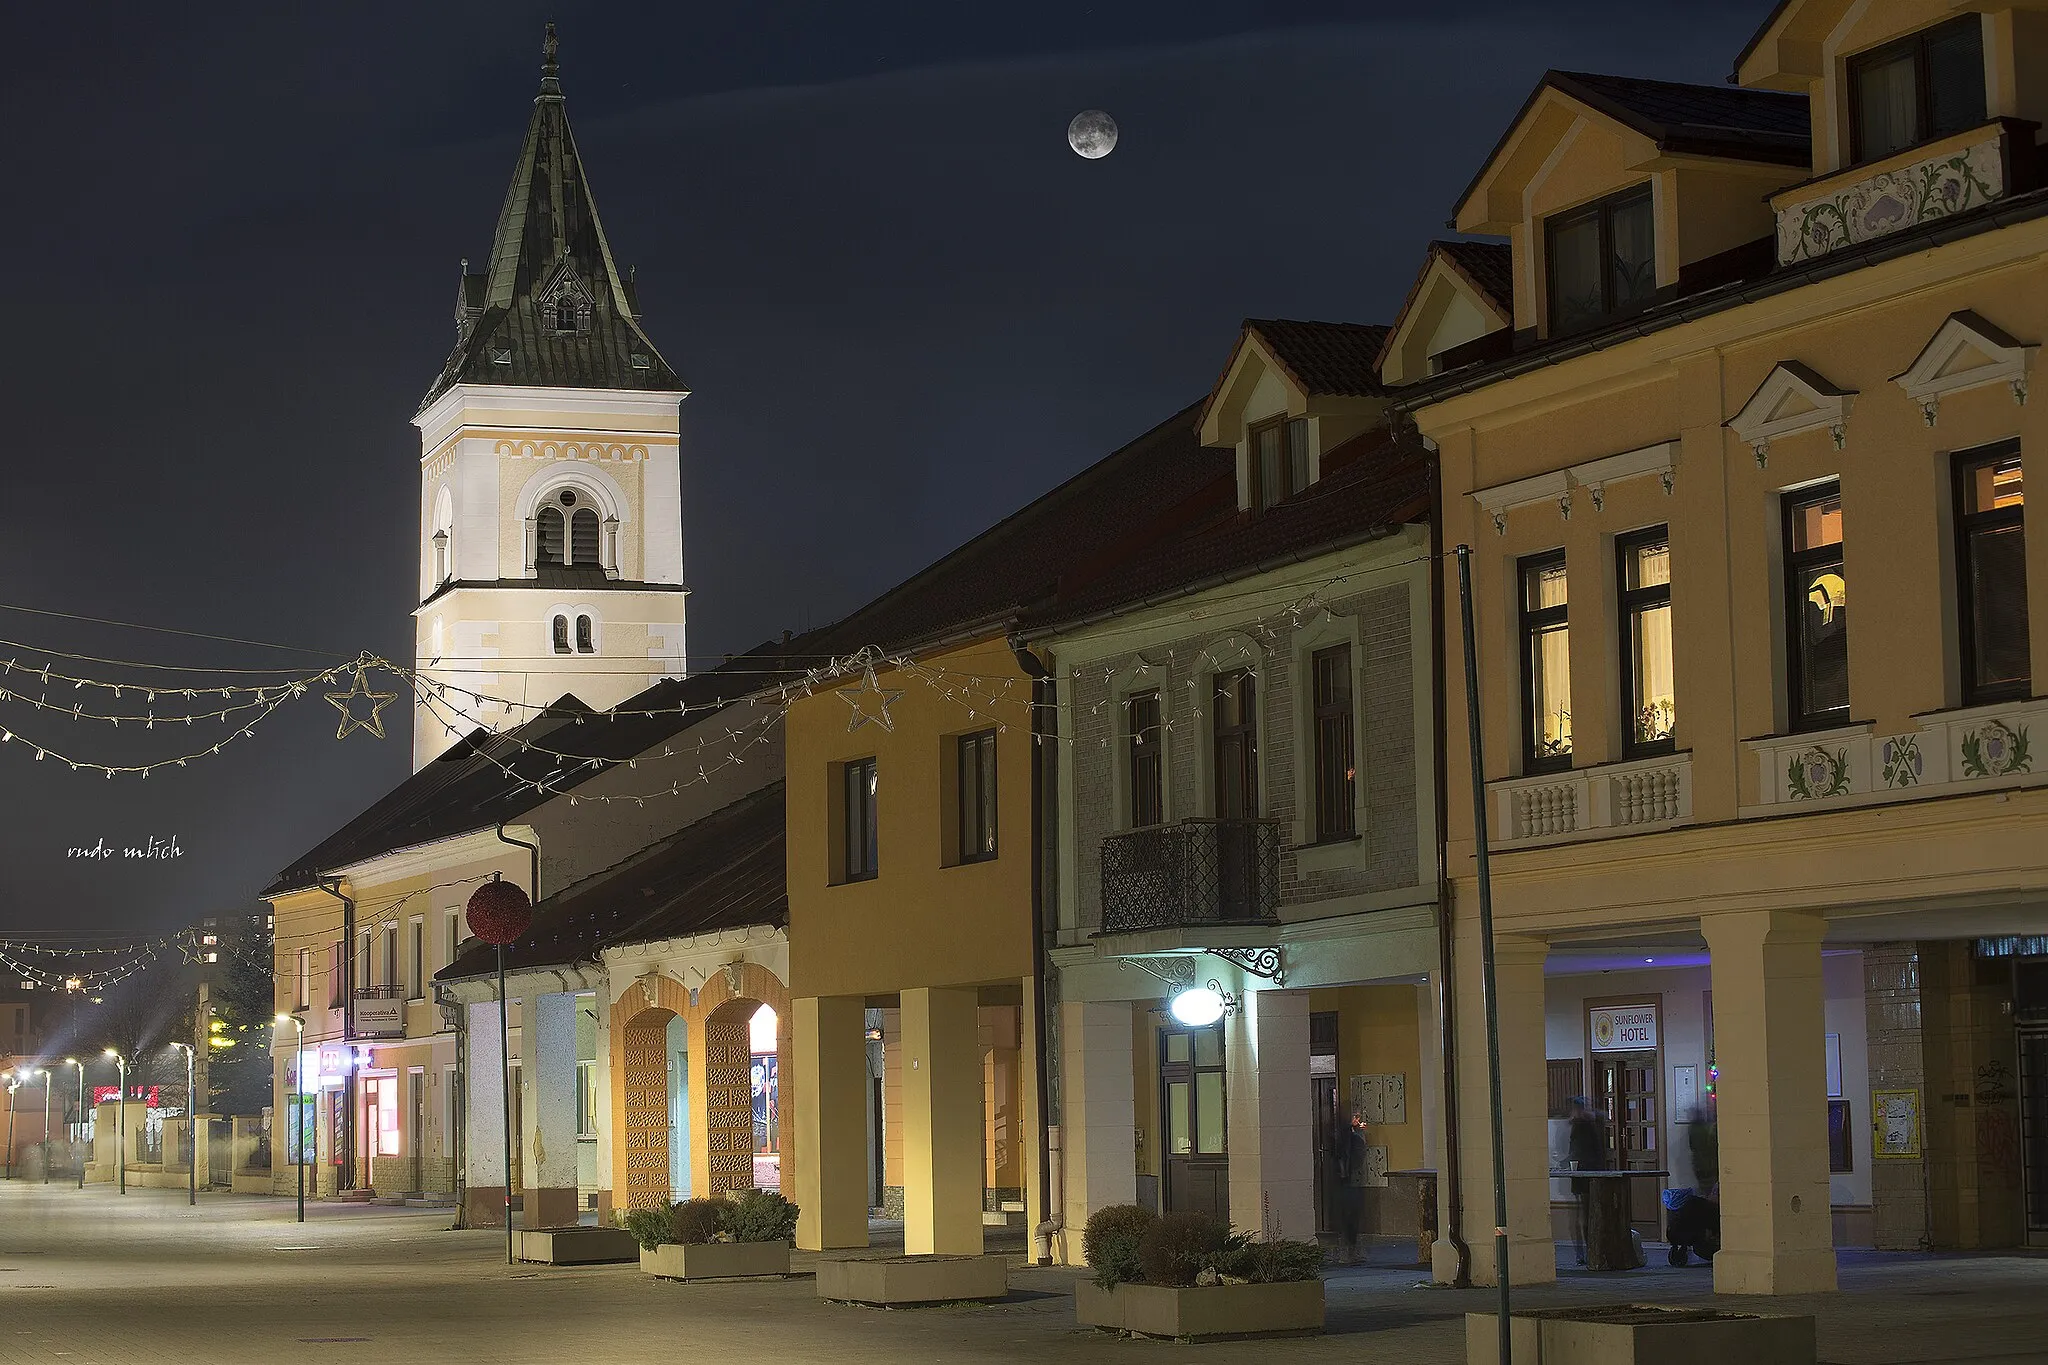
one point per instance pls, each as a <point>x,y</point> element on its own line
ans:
<point>728,1003</point>
<point>644,1108</point>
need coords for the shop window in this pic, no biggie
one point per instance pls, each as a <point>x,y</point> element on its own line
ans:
<point>1991,564</point>
<point>1602,260</point>
<point>1546,665</point>
<point>1922,87</point>
<point>1336,772</point>
<point>1144,759</point>
<point>977,794</point>
<point>1644,574</point>
<point>1816,609</point>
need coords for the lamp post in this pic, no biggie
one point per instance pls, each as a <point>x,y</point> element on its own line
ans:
<point>81,1115</point>
<point>44,1072</point>
<point>191,1132</point>
<point>13,1084</point>
<point>121,1118</point>
<point>298,1085</point>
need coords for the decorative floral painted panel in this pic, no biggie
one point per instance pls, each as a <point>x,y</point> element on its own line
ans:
<point>1892,200</point>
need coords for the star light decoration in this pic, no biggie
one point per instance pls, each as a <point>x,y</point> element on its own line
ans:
<point>869,702</point>
<point>350,719</point>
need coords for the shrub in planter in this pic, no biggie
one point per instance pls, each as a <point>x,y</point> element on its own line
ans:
<point>1179,1246</point>
<point>1277,1262</point>
<point>696,1220</point>
<point>650,1227</point>
<point>1109,1243</point>
<point>758,1216</point>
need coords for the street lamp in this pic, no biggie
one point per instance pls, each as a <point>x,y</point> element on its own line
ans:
<point>13,1084</point>
<point>81,1118</point>
<point>121,1118</point>
<point>298,1085</point>
<point>191,1133</point>
<point>44,1072</point>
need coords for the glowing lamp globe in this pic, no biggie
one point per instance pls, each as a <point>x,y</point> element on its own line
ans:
<point>499,913</point>
<point>1197,1006</point>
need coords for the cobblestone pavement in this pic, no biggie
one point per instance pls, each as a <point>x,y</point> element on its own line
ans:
<point>91,1277</point>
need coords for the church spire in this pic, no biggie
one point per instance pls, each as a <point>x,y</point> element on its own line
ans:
<point>550,308</point>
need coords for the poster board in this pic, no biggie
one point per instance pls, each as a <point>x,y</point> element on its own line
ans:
<point>1897,1123</point>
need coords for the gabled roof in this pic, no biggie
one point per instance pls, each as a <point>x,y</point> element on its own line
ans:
<point>725,871</point>
<point>549,240</point>
<point>1332,358</point>
<point>1488,266</point>
<point>486,778</point>
<point>1730,122</point>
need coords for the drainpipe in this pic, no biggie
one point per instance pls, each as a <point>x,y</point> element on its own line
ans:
<point>1451,1215</point>
<point>504,1044</point>
<point>332,886</point>
<point>1043,729</point>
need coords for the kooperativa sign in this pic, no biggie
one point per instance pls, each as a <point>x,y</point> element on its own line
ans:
<point>1624,1028</point>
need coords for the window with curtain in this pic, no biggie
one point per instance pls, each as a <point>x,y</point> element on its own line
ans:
<point>1816,609</point>
<point>1280,461</point>
<point>977,791</point>
<point>1546,665</point>
<point>1991,562</point>
<point>1644,574</point>
<point>862,833</point>
<point>1602,260</point>
<point>1924,86</point>
<point>1336,772</point>
<point>391,977</point>
<point>419,959</point>
<point>1144,767</point>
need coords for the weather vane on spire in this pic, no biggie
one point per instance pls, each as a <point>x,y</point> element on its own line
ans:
<point>549,69</point>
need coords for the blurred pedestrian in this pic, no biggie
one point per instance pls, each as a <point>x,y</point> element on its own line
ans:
<point>1586,1149</point>
<point>1351,1173</point>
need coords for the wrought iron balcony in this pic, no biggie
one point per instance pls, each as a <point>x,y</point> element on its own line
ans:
<point>1193,873</point>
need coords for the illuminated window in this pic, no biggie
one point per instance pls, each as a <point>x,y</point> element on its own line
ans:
<point>1644,573</point>
<point>1991,564</point>
<point>1816,609</point>
<point>1546,665</point>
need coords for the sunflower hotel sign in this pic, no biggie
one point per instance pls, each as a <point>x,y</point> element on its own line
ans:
<point>1624,1028</point>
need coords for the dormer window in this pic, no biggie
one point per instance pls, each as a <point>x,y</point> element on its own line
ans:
<point>565,309</point>
<point>1924,86</point>
<point>1280,465</point>
<point>1602,258</point>
<point>565,314</point>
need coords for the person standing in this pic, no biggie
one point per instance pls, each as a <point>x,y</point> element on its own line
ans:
<point>1351,1173</point>
<point>1586,1148</point>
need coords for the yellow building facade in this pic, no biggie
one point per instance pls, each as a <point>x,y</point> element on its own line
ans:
<point>1743,491</point>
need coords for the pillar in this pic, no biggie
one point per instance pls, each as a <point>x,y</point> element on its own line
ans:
<point>547,1109</point>
<point>602,1082</point>
<point>1098,1115</point>
<point>1777,1231</point>
<point>942,1121</point>
<point>483,1120</point>
<point>1272,1149</point>
<point>829,1148</point>
<point>1030,1119</point>
<point>1525,1105</point>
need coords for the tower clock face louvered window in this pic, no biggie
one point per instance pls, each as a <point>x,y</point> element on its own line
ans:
<point>550,536</point>
<point>583,536</point>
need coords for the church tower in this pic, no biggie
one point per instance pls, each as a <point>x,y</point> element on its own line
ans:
<point>551,533</point>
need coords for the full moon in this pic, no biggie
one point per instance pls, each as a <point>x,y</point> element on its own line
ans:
<point>1092,134</point>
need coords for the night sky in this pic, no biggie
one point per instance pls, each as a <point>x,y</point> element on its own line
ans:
<point>904,308</point>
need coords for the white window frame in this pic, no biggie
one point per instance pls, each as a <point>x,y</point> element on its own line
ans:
<point>419,964</point>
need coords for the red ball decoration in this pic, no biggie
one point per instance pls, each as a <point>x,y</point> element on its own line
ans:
<point>499,912</point>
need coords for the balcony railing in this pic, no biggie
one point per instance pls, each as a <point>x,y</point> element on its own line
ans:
<point>1620,798</point>
<point>1193,873</point>
<point>1951,175</point>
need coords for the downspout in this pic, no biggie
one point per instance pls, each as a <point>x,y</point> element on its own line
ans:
<point>504,1015</point>
<point>332,886</point>
<point>1042,732</point>
<point>1453,1213</point>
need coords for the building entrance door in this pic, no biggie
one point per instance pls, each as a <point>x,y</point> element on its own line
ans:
<point>1625,1094</point>
<point>1327,1120</point>
<point>2034,1131</point>
<point>1191,1096</point>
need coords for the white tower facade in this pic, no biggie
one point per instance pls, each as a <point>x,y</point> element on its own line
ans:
<point>550,532</point>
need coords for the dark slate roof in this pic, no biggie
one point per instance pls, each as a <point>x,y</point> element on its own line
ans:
<point>1377,486</point>
<point>1711,120</point>
<point>488,777</point>
<point>725,871</point>
<point>1108,512</point>
<point>549,238</point>
<point>1325,357</point>
<point>1489,265</point>
<point>558,577</point>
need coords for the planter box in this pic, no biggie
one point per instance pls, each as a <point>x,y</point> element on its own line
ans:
<point>1206,1313</point>
<point>717,1260</point>
<point>574,1246</point>
<point>888,1281</point>
<point>1643,1334</point>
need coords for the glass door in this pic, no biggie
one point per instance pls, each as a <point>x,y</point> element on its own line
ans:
<point>1192,1097</point>
<point>2034,1131</point>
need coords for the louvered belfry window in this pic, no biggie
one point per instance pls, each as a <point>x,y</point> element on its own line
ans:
<point>549,536</point>
<point>583,536</point>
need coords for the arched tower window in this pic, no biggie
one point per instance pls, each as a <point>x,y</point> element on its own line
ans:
<point>550,536</point>
<point>561,635</point>
<point>583,538</point>
<point>583,636</point>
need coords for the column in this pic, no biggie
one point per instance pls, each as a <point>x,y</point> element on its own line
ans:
<point>1098,1115</point>
<point>1272,1148</point>
<point>942,1121</point>
<point>483,1119</point>
<point>826,1160</point>
<point>601,1081</point>
<point>1030,1119</point>
<point>1525,1103</point>
<point>1777,1231</point>
<point>547,1108</point>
